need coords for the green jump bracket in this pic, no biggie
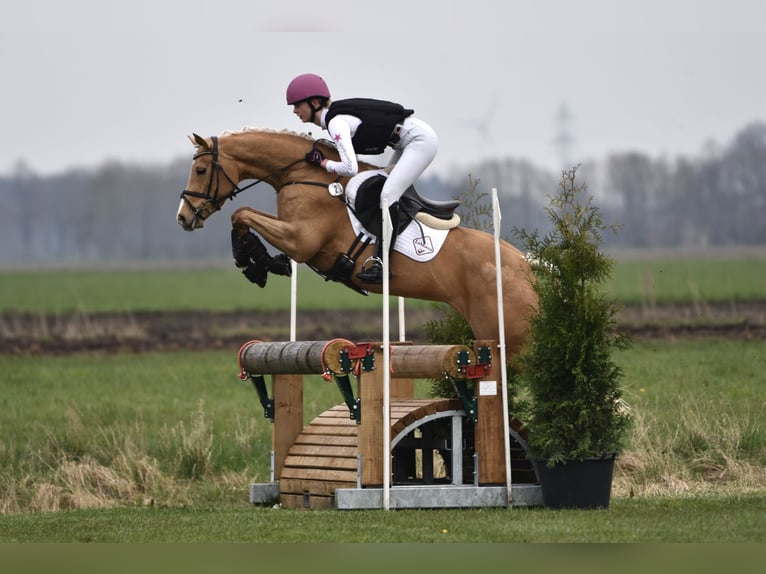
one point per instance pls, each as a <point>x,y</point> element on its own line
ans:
<point>484,357</point>
<point>364,355</point>
<point>470,405</point>
<point>268,404</point>
<point>354,405</point>
<point>471,372</point>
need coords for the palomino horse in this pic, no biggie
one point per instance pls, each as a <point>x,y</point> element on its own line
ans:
<point>311,226</point>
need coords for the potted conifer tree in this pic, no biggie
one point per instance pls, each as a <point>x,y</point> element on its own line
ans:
<point>575,415</point>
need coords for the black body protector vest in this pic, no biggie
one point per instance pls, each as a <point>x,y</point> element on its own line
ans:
<point>379,118</point>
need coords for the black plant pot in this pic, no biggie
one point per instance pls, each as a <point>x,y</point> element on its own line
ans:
<point>583,483</point>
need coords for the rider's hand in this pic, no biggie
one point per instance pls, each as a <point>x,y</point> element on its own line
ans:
<point>315,157</point>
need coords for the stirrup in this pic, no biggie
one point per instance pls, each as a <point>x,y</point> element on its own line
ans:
<point>372,271</point>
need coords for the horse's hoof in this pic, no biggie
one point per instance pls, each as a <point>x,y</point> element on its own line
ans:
<point>281,265</point>
<point>256,274</point>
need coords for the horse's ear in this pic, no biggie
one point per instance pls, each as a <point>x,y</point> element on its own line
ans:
<point>198,140</point>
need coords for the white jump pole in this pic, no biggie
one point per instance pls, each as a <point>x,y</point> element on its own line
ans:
<point>387,231</point>
<point>402,334</point>
<point>501,328</point>
<point>293,324</point>
<point>293,299</point>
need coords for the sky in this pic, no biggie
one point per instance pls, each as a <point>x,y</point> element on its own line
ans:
<point>90,81</point>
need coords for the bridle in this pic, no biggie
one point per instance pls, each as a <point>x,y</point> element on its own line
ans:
<point>212,201</point>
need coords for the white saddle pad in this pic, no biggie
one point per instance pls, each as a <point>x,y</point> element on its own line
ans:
<point>417,241</point>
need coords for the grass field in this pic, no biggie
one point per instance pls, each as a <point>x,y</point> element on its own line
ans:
<point>213,289</point>
<point>695,280</point>
<point>708,558</point>
<point>710,519</point>
<point>223,288</point>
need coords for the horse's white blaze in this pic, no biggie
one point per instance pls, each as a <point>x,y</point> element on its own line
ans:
<point>188,224</point>
<point>179,219</point>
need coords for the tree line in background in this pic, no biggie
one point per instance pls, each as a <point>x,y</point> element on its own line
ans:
<point>121,212</point>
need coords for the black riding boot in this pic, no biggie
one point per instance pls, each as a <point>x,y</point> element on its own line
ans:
<point>373,273</point>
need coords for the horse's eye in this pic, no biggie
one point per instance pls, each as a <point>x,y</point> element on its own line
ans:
<point>201,170</point>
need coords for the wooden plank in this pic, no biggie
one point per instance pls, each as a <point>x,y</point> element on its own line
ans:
<point>330,431</point>
<point>333,421</point>
<point>342,417</point>
<point>288,415</point>
<point>320,487</point>
<point>334,413</point>
<point>339,463</point>
<point>488,439</point>
<point>402,387</point>
<point>296,502</point>
<point>399,409</point>
<point>336,409</point>
<point>433,405</point>
<point>323,450</point>
<point>319,474</point>
<point>416,402</point>
<point>291,501</point>
<point>326,440</point>
<point>409,403</point>
<point>371,430</point>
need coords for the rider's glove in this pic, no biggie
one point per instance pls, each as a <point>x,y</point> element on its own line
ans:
<point>314,157</point>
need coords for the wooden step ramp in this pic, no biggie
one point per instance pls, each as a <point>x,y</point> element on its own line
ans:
<point>324,456</point>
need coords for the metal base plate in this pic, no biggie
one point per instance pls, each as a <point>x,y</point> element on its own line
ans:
<point>417,496</point>
<point>439,497</point>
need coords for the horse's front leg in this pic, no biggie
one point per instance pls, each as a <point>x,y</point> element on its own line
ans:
<point>292,239</point>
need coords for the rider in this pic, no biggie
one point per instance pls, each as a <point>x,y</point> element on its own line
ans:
<point>366,126</point>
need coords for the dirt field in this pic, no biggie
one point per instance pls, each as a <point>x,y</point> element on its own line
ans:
<point>34,334</point>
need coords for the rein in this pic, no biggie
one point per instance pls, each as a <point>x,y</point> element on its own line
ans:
<point>214,200</point>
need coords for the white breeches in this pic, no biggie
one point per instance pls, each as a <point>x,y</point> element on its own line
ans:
<point>412,155</point>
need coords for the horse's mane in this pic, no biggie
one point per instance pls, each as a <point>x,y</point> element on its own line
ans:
<point>250,129</point>
<point>307,137</point>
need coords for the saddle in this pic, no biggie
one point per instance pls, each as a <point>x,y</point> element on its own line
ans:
<point>367,206</point>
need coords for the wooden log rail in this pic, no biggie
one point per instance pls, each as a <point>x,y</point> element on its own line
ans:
<point>323,357</point>
<point>293,357</point>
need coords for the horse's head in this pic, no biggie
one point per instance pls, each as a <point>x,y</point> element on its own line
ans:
<point>208,187</point>
<point>261,155</point>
